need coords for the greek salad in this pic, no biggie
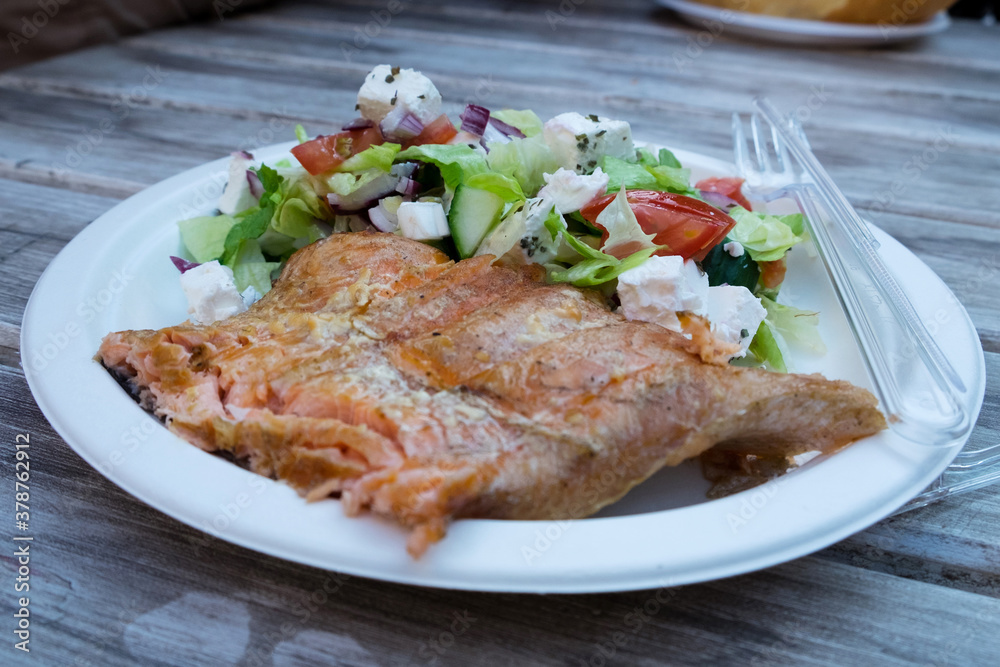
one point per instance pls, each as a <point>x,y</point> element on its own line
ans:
<point>573,194</point>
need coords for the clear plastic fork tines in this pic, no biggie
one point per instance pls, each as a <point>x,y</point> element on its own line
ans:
<point>924,397</point>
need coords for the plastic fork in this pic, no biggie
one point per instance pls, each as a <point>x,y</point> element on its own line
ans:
<point>928,406</point>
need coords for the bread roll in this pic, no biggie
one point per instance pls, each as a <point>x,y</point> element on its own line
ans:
<point>896,12</point>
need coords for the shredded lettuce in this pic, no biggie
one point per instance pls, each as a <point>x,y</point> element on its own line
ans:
<point>526,120</point>
<point>647,174</point>
<point>668,159</point>
<point>205,236</point>
<point>628,175</point>
<point>624,233</point>
<point>525,160</point>
<point>766,349</point>
<point>673,179</point>
<point>457,162</point>
<point>795,325</point>
<point>504,187</point>
<point>250,268</point>
<point>300,134</point>
<point>766,237</point>
<point>379,156</point>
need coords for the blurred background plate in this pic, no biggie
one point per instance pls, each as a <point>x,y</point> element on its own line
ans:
<point>801,31</point>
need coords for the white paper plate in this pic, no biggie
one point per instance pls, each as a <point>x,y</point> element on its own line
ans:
<point>801,31</point>
<point>115,275</point>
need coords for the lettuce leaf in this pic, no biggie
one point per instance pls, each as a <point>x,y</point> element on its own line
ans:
<point>766,237</point>
<point>300,134</point>
<point>205,237</point>
<point>795,325</point>
<point>628,175</point>
<point>504,187</point>
<point>527,121</point>
<point>525,160</point>
<point>380,156</point>
<point>457,162</point>
<point>250,268</point>
<point>766,349</point>
<point>668,159</point>
<point>624,233</point>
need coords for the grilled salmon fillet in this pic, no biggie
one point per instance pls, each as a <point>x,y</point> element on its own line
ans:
<point>425,390</point>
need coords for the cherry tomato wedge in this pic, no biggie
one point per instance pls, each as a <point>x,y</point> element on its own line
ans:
<point>328,152</point>
<point>687,226</point>
<point>727,187</point>
<point>439,131</point>
<point>772,274</point>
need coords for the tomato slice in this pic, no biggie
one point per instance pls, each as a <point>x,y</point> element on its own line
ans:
<point>772,274</point>
<point>728,187</point>
<point>328,152</point>
<point>439,131</point>
<point>687,226</point>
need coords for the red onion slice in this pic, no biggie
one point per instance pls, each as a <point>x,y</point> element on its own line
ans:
<point>408,127</point>
<point>380,220</point>
<point>475,119</point>
<point>718,200</point>
<point>507,128</point>
<point>182,264</point>
<point>408,187</point>
<point>256,187</point>
<point>243,154</point>
<point>358,124</point>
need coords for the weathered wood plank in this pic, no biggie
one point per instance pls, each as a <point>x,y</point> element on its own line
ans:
<point>38,222</point>
<point>867,173</point>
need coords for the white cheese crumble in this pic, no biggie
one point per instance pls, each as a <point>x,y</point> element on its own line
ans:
<point>211,293</point>
<point>570,191</point>
<point>661,287</point>
<point>735,314</point>
<point>405,91</point>
<point>578,142</point>
<point>734,248</point>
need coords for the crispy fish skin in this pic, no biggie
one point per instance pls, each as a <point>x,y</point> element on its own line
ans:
<point>424,390</point>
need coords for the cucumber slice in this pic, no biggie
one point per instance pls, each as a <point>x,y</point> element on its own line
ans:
<point>472,215</point>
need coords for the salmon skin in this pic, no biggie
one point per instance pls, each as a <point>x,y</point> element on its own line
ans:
<point>425,390</point>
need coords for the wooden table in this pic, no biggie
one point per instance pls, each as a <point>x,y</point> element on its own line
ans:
<point>117,583</point>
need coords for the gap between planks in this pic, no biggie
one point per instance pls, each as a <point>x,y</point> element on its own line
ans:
<point>542,90</point>
<point>23,171</point>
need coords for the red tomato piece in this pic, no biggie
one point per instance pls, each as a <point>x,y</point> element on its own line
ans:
<point>328,152</point>
<point>772,274</point>
<point>687,226</point>
<point>439,131</point>
<point>728,187</point>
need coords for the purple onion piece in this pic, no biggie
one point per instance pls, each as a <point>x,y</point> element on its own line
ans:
<point>717,200</point>
<point>482,142</point>
<point>507,129</point>
<point>408,127</point>
<point>379,219</point>
<point>408,187</point>
<point>494,136</point>
<point>333,199</point>
<point>183,265</point>
<point>475,119</point>
<point>358,124</point>
<point>256,187</point>
<point>243,154</point>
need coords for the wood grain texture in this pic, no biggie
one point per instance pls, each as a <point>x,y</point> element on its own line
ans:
<point>118,583</point>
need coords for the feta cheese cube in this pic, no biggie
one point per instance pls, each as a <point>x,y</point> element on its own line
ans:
<point>735,314</point>
<point>570,191</point>
<point>211,293</point>
<point>237,197</point>
<point>537,244</point>
<point>390,90</point>
<point>659,288</point>
<point>422,221</point>
<point>578,142</point>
